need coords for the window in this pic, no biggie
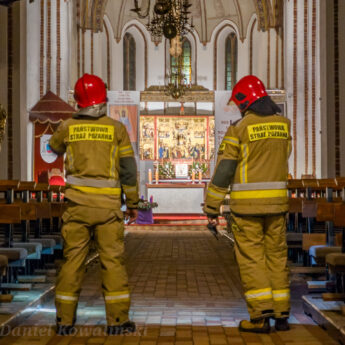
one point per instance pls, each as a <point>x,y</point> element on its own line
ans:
<point>129,61</point>
<point>185,61</point>
<point>230,61</point>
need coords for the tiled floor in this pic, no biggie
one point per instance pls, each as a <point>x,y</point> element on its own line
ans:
<point>185,290</point>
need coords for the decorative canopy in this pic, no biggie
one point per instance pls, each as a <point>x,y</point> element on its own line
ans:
<point>51,109</point>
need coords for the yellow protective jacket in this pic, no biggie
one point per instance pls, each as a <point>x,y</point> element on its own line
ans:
<point>253,159</point>
<point>99,159</point>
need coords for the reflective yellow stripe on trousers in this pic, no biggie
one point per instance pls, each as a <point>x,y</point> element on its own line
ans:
<point>258,295</point>
<point>116,297</point>
<point>281,295</point>
<point>66,297</point>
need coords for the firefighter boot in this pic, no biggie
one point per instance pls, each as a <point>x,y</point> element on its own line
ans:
<point>282,324</point>
<point>255,326</point>
<point>124,328</point>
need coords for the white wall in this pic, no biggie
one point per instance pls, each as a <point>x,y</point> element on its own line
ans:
<point>306,155</point>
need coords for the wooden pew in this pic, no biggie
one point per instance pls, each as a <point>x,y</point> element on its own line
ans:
<point>11,214</point>
<point>29,195</point>
<point>323,245</point>
<point>341,187</point>
<point>311,186</point>
<point>336,261</point>
<point>7,187</point>
<point>33,193</point>
<point>295,188</point>
<point>295,208</point>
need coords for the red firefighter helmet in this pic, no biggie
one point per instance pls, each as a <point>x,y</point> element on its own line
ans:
<point>90,90</point>
<point>248,90</point>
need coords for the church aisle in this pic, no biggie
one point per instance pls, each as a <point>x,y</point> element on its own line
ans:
<point>185,290</point>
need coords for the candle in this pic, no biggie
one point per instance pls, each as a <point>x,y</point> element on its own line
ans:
<point>150,176</point>
<point>156,176</point>
<point>193,176</point>
<point>200,176</point>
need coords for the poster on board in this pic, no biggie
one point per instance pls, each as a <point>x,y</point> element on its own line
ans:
<point>225,115</point>
<point>127,115</point>
<point>124,106</point>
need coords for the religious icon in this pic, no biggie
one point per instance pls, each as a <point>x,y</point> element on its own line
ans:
<point>127,115</point>
<point>173,137</point>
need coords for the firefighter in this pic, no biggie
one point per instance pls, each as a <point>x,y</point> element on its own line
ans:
<point>99,163</point>
<point>253,161</point>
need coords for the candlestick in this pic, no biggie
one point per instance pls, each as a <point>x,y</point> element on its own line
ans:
<point>200,176</point>
<point>150,176</point>
<point>156,176</point>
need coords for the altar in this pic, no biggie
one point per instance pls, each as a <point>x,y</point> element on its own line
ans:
<point>177,198</point>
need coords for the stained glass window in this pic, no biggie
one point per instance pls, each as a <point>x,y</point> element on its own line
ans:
<point>230,61</point>
<point>129,61</point>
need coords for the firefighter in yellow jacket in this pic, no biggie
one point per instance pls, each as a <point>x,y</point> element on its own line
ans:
<point>253,161</point>
<point>99,164</point>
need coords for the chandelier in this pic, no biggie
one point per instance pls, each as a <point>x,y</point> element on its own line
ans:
<point>170,18</point>
<point>176,83</point>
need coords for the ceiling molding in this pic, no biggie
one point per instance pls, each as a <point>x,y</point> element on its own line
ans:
<point>203,38</point>
<point>92,13</point>
<point>240,20</point>
<point>269,15</point>
<point>120,21</point>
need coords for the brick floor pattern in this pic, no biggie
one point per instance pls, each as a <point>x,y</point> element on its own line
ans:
<point>185,291</point>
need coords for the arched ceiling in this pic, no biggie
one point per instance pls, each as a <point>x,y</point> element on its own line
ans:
<point>206,14</point>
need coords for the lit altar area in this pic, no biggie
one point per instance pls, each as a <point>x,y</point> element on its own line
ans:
<point>177,147</point>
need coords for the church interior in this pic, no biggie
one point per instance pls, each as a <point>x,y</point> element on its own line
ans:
<point>169,67</point>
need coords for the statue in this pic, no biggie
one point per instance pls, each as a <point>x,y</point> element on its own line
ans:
<point>3,118</point>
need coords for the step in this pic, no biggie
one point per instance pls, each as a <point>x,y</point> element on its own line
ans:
<point>16,287</point>
<point>333,297</point>
<point>32,279</point>
<point>317,286</point>
<point>6,298</point>
<point>307,270</point>
<point>48,272</point>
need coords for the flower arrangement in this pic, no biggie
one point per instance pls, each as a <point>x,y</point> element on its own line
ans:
<point>146,205</point>
<point>166,170</point>
<point>198,167</point>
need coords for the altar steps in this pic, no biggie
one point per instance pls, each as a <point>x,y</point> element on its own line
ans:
<point>183,219</point>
